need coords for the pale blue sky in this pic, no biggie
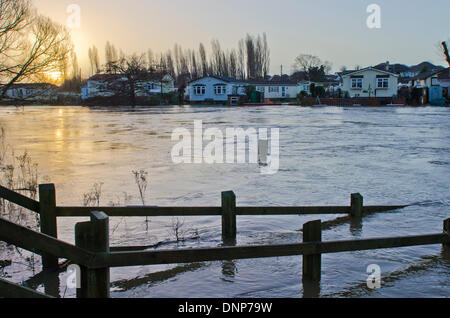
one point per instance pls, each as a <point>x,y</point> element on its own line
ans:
<point>333,30</point>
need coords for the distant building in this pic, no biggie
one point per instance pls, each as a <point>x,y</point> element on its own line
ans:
<point>32,92</point>
<point>434,86</point>
<point>215,89</point>
<point>408,72</point>
<point>280,88</point>
<point>427,79</point>
<point>370,82</point>
<point>103,85</point>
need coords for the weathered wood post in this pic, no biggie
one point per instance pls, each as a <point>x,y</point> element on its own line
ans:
<point>47,209</point>
<point>94,236</point>
<point>312,232</point>
<point>229,218</point>
<point>447,231</point>
<point>356,208</point>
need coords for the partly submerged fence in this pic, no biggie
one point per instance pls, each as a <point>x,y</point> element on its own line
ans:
<point>93,253</point>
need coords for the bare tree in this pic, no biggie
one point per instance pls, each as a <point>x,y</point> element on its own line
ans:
<point>241,66</point>
<point>311,65</point>
<point>132,72</point>
<point>110,57</point>
<point>72,81</point>
<point>216,58</point>
<point>195,71</point>
<point>44,47</point>
<point>233,64</point>
<point>94,60</point>
<point>203,60</point>
<point>14,18</point>
<point>446,54</point>
<point>305,62</point>
<point>251,57</point>
<point>151,60</point>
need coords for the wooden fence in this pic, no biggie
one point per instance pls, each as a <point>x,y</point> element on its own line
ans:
<point>95,257</point>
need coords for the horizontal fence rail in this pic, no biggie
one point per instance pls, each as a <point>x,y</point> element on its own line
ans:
<point>124,259</point>
<point>19,199</point>
<point>39,243</point>
<point>15,291</point>
<point>137,211</point>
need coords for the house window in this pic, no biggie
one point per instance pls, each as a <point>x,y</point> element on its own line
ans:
<point>382,82</point>
<point>357,83</point>
<point>219,89</point>
<point>274,89</point>
<point>199,90</point>
<point>260,89</point>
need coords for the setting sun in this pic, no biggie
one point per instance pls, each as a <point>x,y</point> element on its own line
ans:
<point>56,77</point>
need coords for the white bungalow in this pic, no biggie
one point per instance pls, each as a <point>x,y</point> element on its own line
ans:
<point>280,89</point>
<point>215,89</point>
<point>370,82</point>
<point>32,91</point>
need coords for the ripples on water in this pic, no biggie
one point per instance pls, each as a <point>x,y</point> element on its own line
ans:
<point>392,156</point>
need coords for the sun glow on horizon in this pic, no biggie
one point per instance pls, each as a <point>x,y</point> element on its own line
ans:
<point>54,77</point>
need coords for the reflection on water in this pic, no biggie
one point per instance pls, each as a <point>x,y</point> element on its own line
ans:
<point>228,271</point>
<point>390,155</point>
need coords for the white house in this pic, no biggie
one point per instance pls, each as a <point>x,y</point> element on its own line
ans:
<point>215,89</point>
<point>102,85</point>
<point>32,91</point>
<point>370,82</point>
<point>428,79</point>
<point>280,89</point>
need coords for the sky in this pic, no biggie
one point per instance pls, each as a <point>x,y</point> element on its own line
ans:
<point>335,31</point>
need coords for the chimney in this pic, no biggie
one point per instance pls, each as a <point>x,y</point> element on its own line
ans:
<point>387,66</point>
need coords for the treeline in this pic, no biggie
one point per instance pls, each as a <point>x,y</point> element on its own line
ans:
<point>250,60</point>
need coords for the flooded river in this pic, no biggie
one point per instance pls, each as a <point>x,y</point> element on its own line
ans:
<point>392,156</point>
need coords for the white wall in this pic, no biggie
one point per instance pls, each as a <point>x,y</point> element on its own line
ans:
<point>291,91</point>
<point>210,94</point>
<point>370,80</point>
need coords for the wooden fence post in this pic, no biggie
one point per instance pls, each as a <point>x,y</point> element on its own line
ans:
<point>229,218</point>
<point>94,236</point>
<point>447,231</point>
<point>312,232</point>
<point>356,209</point>
<point>47,209</point>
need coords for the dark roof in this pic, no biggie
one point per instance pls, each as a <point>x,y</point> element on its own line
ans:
<point>220,78</point>
<point>340,74</point>
<point>426,75</point>
<point>393,68</point>
<point>299,76</point>
<point>444,74</point>
<point>274,81</point>
<point>113,77</point>
<point>363,69</point>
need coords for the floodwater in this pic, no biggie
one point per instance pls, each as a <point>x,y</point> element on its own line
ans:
<point>392,156</point>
